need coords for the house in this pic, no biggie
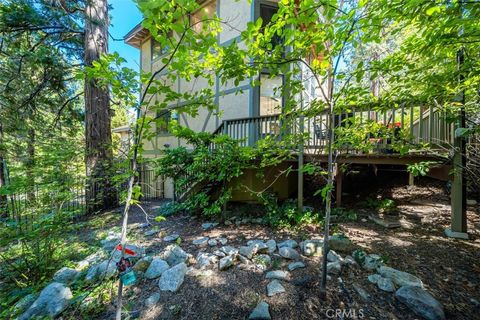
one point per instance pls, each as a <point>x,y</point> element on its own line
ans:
<point>125,139</point>
<point>248,113</point>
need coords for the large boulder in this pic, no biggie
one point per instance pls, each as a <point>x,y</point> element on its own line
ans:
<point>53,299</point>
<point>206,259</point>
<point>174,255</point>
<point>400,278</point>
<point>312,247</point>
<point>288,243</point>
<point>172,279</point>
<point>289,253</point>
<point>65,275</point>
<point>156,268</point>
<point>420,302</point>
<point>248,251</point>
<point>340,243</point>
<point>25,302</point>
<point>107,269</point>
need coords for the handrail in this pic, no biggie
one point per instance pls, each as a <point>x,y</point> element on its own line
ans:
<point>434,130</point>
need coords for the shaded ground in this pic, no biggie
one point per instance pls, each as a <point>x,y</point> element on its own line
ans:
<point>450,269</point>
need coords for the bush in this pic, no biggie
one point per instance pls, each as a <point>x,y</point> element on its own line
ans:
<point>286,215</point>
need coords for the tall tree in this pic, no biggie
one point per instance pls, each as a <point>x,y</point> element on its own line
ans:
<point>100,193</point>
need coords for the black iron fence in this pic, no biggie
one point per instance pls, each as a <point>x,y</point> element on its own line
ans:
<point>23,208</point>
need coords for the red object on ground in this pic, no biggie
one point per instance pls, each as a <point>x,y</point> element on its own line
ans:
<point>130,252</point>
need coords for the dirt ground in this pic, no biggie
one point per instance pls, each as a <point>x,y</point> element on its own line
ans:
<point>450,269</point>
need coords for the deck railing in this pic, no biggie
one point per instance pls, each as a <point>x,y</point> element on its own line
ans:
<point>421,125</point>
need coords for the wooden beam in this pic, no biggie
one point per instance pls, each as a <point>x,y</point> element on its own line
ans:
<point>338,187</point>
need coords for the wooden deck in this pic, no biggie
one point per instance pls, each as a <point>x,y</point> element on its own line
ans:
<point>427,130</point>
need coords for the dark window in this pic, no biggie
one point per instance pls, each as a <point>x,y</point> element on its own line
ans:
<point>163,120</point>
<point>266,13</point>
<point>157,49</point>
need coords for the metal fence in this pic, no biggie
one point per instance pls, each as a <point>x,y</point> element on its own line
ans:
<point>23,208</point>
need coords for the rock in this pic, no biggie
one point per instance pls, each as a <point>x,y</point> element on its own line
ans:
<point>471,202</point>
<point>248,251</point>
<point>53,299</point>
<point>372,262</point>
<point>263,261</point>
<point>259,246</point>
<point>349,260</point>
<point>272,246</point>
<point>174,255</point>
<point>90,260</point>
<point>373,278</point>
<point>143,264</point>
<point>340,243</point>
<point>332,256</point>
<point>400,278</point>
<point>288,243</point>
<point>65,275</point>
<point>420,302</point>
<point>171,237</point>
<point>228,223</point>
<point>225,263</point>
<point>289,253</point>
<point>312,248</point>
<point>223,241</point>
<point>112,239</point>
<point>389,223</point>
<point>219,253</point>
<point>277,274</point>
<point>156,268</point>
<point>361,292</point>
<point>25,302</point>
<point>172,279</point>
<point>260,312</point>
<point>91,273</point>
<point>243,260</point>
<point>229,250</point>
<point>106,269</point>
<point>209,225</point>
<point>274,287</point>
<point>205,259</point>
<point>212,242</point>
<point>385,284</point>
<point>150,232</point>
<point>201,242</point>
<point>296,265</point>
<point>152,299</point>
<point>307,281</point>
<point>334,267</point>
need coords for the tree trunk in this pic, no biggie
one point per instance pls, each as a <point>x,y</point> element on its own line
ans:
<point>100,192</point>
<point>3,179</point>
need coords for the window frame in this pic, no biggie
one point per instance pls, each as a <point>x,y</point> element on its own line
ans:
<point>163,132</point>
<point>163,50</point>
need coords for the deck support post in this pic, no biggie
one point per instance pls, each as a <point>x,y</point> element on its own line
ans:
<point>300,182</point>
<point>458,227</point>
<point>411,179</point>
<point>338,188</point>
